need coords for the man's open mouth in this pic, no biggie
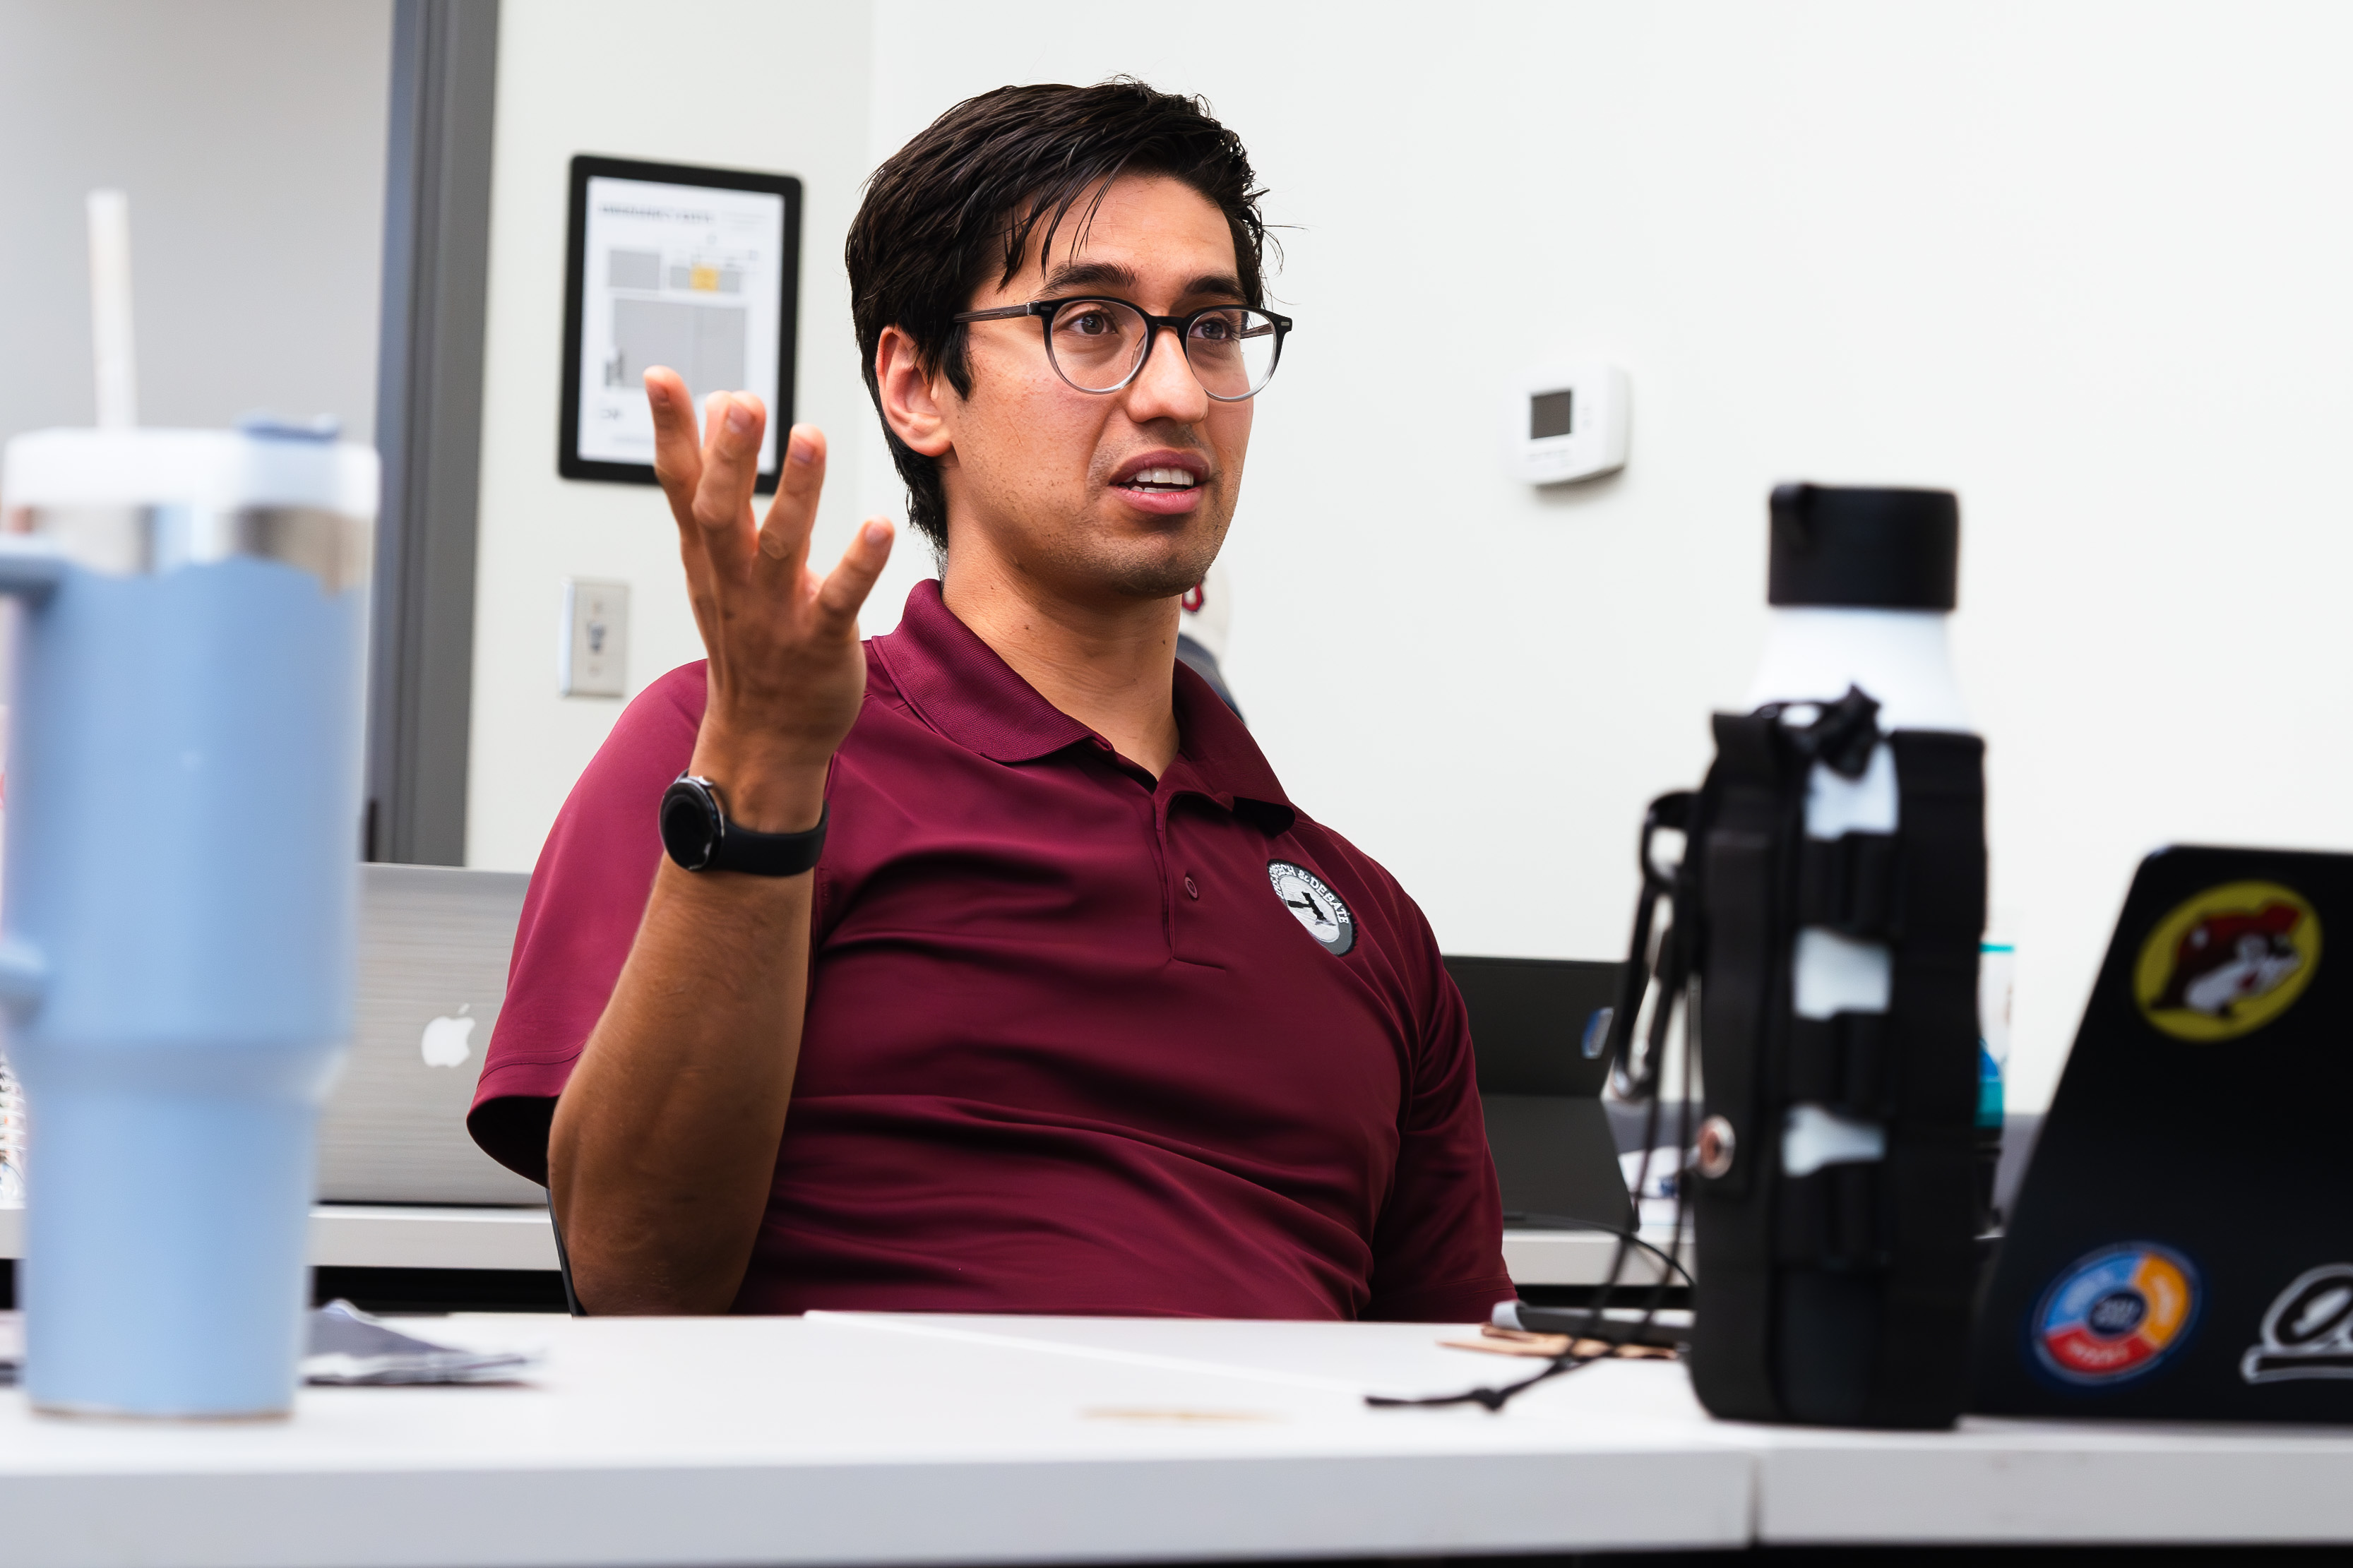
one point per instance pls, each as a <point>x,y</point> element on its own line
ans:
<point>1159,480</point>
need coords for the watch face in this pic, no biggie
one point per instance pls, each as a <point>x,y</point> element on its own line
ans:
<point>690,823</point>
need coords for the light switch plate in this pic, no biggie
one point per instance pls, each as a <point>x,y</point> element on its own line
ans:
<point>592,657</point>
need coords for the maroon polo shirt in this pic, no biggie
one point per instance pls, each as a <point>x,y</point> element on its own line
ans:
<point>1079,1041</point>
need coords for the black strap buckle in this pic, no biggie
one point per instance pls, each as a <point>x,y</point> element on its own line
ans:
<point>1848,884</point>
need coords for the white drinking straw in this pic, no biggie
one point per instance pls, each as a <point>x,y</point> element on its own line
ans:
<point>109,310</point>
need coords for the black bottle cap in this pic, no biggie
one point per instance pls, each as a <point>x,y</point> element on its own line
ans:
<point>1864,548</point>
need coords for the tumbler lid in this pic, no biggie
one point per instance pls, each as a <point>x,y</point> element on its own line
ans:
<point>220,470</point>
<point>1864,548</point>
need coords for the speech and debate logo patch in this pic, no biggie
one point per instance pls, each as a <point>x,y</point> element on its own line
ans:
<point>2226,961</point>
<point>2308,1332</point>
<point>2115,1314</point>
<point>1316,906</point>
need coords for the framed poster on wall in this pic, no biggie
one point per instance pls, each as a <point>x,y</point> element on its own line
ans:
<point>698,269</point>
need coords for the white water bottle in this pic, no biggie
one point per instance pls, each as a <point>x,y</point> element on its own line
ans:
<point>1862,583</point>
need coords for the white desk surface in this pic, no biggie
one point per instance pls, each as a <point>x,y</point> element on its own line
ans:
<point>876,1440</point>
<point>856,1439</point>
<point>1989,1481</point>
<point>425,1235</point>
<point>2058,1482</point>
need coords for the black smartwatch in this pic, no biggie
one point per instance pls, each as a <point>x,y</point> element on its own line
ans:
<point>696,832</point>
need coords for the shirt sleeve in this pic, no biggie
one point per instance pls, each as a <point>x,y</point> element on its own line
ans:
<point>1438,1248</point>
<point>588,896</point>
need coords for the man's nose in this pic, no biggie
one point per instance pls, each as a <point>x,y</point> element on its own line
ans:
<point>1167,388</point>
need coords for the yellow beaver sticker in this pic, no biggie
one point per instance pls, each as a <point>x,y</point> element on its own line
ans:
<point>2226,961</point>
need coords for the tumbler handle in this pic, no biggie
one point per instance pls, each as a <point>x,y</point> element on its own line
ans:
<point>29,566</point>
<point>24,977</point>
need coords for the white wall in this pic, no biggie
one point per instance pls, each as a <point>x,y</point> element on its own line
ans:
<point>250,135</point>
<point>754,86</point>
<point>2082,263</point>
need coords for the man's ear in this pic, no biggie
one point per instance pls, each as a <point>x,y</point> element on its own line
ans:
<point>907,396</point>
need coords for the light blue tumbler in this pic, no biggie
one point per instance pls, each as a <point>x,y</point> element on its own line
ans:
<point>176,931</point>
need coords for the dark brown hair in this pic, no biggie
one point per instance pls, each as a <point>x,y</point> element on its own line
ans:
<point>959,204</point>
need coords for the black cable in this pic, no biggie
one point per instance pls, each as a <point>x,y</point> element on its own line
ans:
<point>1596,1328</point>
<point>1567,1222</point>
<point>1492,1398</point>
<point>1666,964</point>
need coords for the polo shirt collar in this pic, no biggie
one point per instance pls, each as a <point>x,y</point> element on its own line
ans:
<point>1225,762</point>
<point>965,692</point>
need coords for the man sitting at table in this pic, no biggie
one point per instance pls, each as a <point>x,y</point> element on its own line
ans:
<point>1076,1012</point>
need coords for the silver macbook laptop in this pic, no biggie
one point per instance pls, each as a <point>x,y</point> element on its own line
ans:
<point>434,944</point>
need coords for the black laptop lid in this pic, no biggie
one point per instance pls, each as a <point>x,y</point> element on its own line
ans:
<point>2182,1246</point>
<point>1537,1025</point>
<point>1537,1030</point>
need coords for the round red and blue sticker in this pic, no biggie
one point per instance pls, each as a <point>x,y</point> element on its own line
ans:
<point>2115,1314</point>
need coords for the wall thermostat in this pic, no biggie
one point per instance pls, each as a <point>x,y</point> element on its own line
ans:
<point>1567,422</point>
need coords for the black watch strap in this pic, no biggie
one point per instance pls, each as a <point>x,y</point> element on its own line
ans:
<point>696,832</point>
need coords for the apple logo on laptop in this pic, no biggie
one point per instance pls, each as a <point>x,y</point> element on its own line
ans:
<point>445,1041</point>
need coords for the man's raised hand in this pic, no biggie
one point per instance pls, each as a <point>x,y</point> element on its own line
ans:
<point>786,674</point>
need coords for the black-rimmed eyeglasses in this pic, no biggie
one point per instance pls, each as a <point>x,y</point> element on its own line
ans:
<point>1100,345</point>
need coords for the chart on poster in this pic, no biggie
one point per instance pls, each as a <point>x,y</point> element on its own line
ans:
<point>695,272</point>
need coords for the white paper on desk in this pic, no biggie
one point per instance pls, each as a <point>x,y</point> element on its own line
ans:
<point>347,1347</point>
